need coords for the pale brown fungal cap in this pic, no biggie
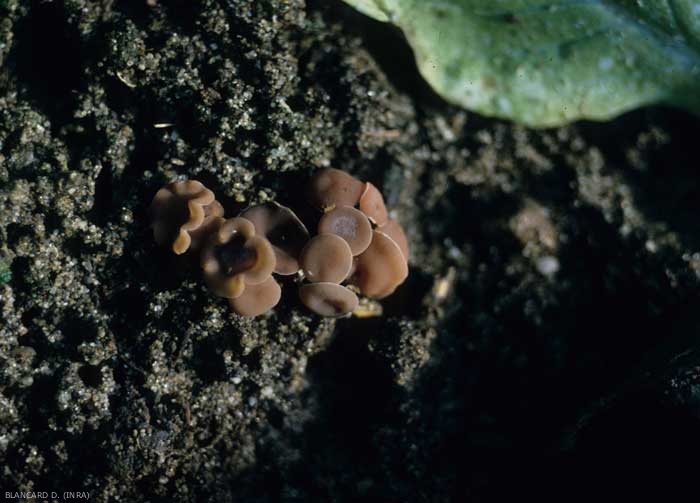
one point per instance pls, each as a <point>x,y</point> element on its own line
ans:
<point>350,224</point>
<point>326,258</point>
<point>331,187</point>
<point>257,299</point>
<point>183,214</point>
<point>381,268</point>
<point>394,230</point>
<point>234,257</point>
<point>372,205</point>
<point>283,229</point>
<point>328,299</point>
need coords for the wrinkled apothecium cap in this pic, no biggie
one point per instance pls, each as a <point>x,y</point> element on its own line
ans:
<point>183,213</point>
<point>234,257</point>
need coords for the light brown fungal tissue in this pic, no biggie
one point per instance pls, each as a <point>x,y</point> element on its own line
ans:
<point>284,230</point>
<point>234,257</point>
<point>183,214</point>
<point>326,258</point>
<point>375,258</point>
<point>328,299</point>
<point>357,248</point>
<point>331,187</point>
<point>237,264</point>
<point>350,224</point>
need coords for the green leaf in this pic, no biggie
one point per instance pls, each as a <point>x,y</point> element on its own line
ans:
<point>545,63</point>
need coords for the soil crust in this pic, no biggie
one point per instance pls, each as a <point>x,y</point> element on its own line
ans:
<point>545,342</point>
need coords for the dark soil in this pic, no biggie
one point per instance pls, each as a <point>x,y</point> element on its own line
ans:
<point>545,344</point>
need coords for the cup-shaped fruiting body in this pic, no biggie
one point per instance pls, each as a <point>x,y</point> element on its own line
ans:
<point>328,299</point>
<point>380,261</point>
<point>234,257</point>
<point>257,299</point>
<point>239,255</point>
<point>350,224</point>
<point>183,214</point>
<point>283,229</point>
<point>326,258</point>
<point>394,230</point>
<point>381,268</point>
<point>331,187</point>
<point>372,205</point>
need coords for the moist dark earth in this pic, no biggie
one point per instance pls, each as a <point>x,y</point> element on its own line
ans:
<point>545,343</point>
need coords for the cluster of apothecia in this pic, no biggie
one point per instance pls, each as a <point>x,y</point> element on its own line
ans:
<point>357,249</point>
